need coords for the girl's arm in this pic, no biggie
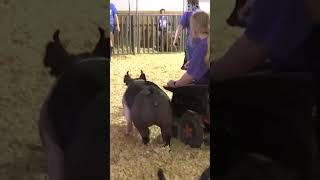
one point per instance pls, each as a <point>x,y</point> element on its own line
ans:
<point>235,61</point>
<point>184,80</point>
<point>196,69</point>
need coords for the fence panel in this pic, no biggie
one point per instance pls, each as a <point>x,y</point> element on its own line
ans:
<point>142,33</point>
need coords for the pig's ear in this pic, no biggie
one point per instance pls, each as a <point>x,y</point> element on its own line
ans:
<point>142,76</point>
<point>102,47</point>
<point>127,79</point>
<point>56,37</point>
<point>127,75</point>
<point>56,57</point>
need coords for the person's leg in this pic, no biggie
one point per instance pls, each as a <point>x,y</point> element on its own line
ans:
<point>111,39</point>
<point>160,41</point>
<point>165,43</point>
<point>185,60</point>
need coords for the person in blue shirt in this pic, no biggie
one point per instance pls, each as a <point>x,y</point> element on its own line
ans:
<point>184,24</point>
<point>198,69</point>
<point>276,30</point>
<point>114,24</point>
<point>162,30</point>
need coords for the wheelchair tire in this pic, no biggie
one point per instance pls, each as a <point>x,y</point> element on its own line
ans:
<point>175,128</point>
<point>191,130</point>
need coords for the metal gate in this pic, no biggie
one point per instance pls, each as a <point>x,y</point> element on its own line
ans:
<point>140,33</point>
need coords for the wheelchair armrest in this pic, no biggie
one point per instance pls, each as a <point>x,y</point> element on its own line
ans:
<point>189,87</point>
<point>171,89</point>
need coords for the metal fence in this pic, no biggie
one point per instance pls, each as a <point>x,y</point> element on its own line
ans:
<point>140,33</point>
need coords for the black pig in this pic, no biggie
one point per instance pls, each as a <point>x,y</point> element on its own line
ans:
<point>145,104</point>
<point>71,119</point>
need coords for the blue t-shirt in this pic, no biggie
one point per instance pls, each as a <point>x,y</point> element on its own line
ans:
<point>198,69</point>
<point>162,23</point>
<point>189,42</point>
<point>281,27</point>
<point>113,12</point>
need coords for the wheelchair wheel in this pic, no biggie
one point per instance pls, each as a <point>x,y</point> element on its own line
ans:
<point>175,128</point>
<point>191,130</point>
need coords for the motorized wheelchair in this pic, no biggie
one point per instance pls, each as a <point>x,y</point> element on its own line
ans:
<point>191,114</point>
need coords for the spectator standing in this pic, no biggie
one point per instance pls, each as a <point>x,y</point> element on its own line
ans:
<point>162,30</point>
<point>193,5</point>
<point>114,24</point>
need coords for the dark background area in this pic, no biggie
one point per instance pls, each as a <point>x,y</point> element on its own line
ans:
<point>26,27</point>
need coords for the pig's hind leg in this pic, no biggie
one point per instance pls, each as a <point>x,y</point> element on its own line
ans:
<point>126,110</point>
<point>166,135</point>
<point>144,132</point>
<point>165,119</point>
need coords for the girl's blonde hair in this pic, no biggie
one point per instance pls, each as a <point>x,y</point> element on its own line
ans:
<point>207,57</point>
<point>201,22</point>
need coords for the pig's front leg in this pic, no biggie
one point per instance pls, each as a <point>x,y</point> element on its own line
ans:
<point>126,110</point>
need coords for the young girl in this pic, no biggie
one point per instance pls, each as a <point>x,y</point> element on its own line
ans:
<point>198,68</point>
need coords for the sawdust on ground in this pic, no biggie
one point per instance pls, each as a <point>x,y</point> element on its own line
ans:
<point>129,158</point>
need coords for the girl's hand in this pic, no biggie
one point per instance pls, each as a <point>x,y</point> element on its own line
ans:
<point>175,43</point>
<point>118,28</point>
<point>171,83</point>
<point>186,65</point>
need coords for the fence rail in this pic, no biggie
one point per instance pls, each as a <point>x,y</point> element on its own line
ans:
<point>140,33</point>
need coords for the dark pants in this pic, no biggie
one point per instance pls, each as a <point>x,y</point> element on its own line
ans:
<point>266,113</point>
<point>162,37</point>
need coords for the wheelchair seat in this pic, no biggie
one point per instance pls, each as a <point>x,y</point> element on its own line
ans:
<point>190,97</point>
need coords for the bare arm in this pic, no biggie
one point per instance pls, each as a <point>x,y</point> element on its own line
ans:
<point>184,80</point>
<point>177,34</point>
<point>117,22</point>
<point>240,58</point>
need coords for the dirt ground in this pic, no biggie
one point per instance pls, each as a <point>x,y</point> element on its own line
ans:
<point>26,27</point>
<point>222,35</point>
<point>129,158</point>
